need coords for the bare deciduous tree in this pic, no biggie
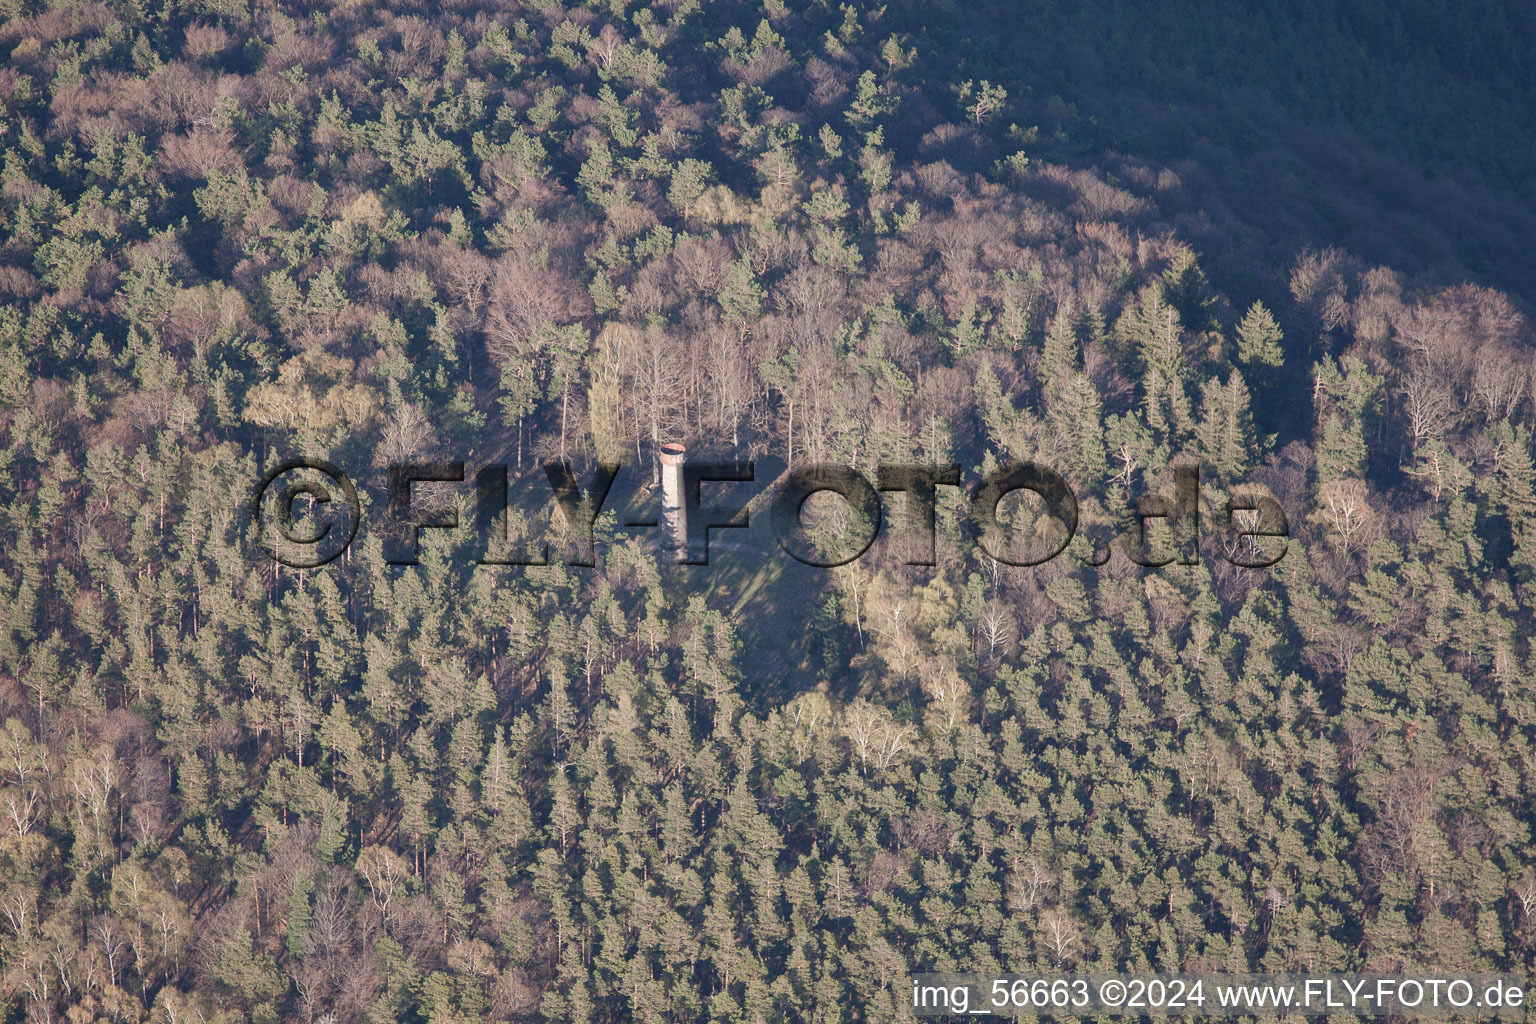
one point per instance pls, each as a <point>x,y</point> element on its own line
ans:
<point>996,625</point>
<point>655,382</point>
<point>1059,935</point>
<point>1318,285</point>
<point>1428,404</point>
<point>1345,508</point>
<point>605,45</point>
<point>409,432</point>
<point>1524,890</point>
<point>1501,384</point>
<point>1401,839</point>
<point>1030,883</point>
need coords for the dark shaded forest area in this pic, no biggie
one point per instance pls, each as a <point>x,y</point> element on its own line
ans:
<point>235,233</point>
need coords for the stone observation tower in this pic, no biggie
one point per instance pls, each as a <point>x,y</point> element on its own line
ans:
<point>674,515</point>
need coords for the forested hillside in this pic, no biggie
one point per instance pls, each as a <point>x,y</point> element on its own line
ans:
<point>235,234</point>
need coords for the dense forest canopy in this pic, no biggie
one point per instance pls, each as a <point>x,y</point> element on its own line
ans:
<point>233,234</point>
<point>1398,131</point>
